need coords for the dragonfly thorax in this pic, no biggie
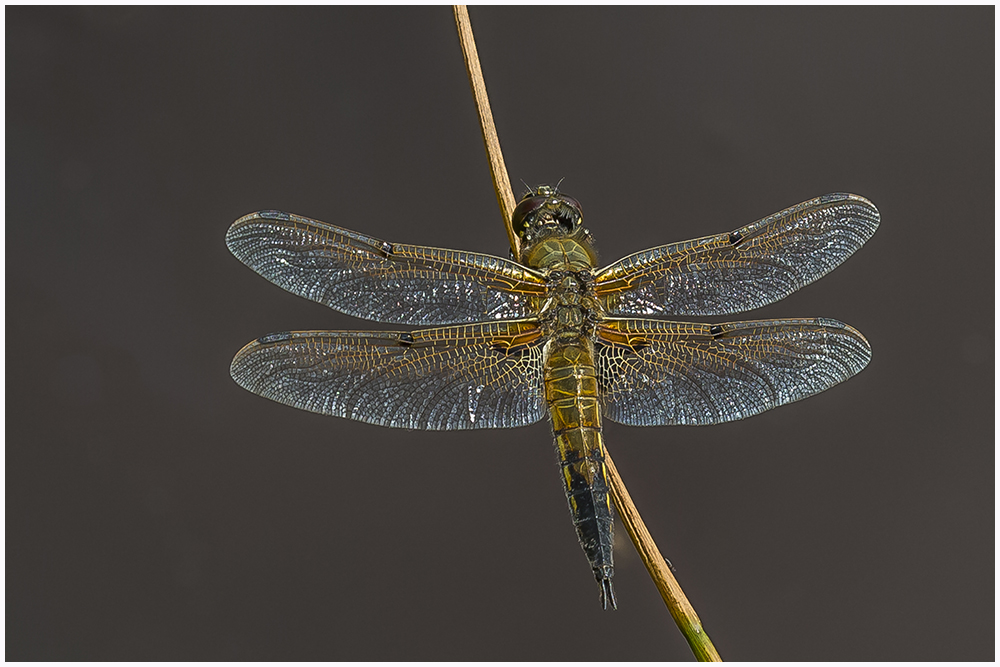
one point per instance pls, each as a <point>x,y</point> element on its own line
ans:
<point>571,310</point>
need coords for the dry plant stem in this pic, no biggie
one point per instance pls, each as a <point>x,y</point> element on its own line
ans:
<point>501,182</point>
<point>680,608</point>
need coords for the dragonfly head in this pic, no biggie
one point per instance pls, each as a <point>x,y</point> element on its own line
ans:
<point>546,214</point>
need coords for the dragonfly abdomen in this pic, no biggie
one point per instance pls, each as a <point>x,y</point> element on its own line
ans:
<point>571,395</point>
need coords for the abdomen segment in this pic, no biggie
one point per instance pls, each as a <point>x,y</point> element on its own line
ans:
<point>571,395</point>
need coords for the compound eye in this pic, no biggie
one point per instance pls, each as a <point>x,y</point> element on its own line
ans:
<point>524,209</point>
<point>569,201</point>
<point>568,211</point>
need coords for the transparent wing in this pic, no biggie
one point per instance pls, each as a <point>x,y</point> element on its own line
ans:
<point>384,282</point>
<point>655,373</point>
<point>485,375</point>
<point>742,270</point>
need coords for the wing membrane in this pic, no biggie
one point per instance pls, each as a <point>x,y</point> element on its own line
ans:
<point>384,282</point>
<point>742,270</point>
<point>485,375</point>
<point>656,373</point>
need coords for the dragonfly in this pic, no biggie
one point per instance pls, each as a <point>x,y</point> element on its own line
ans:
<point>504,343</point>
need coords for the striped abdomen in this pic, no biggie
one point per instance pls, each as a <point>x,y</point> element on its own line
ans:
<point>571,394</point>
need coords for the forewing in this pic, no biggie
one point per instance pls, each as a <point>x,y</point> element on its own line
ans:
<point>655,373</point>
<point>384,282</point>
<point>484,375</point>
<point>742,270</point>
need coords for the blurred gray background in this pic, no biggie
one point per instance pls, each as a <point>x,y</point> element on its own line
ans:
<point>155,510</point>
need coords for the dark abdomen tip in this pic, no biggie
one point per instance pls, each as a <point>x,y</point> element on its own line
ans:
<point>607,594</point>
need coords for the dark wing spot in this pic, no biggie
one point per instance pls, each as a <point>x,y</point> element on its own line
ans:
<point>508,350</point>
<point>274,338</point>
<point>716,330</point>
<point>735,237</point>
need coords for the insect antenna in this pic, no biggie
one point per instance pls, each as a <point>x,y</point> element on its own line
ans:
<point>528,188</point>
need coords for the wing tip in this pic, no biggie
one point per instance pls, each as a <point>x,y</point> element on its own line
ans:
<point>854,350</point>
<point>238,368</point>
<point>250,219</point>
<point>266,214</point>
<point>874,217</point>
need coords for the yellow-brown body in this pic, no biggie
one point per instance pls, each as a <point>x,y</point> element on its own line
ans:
<point>571,392</point>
